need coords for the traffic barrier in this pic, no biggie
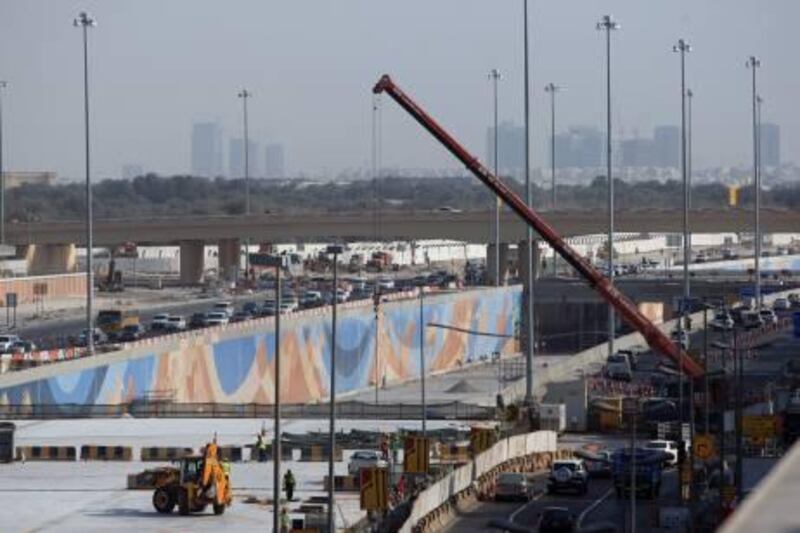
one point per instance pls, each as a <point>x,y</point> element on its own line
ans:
<point>319,453</point>
<point>164,453</point>
<point>454,453</point>
<point>343,483</point>
<point>287,452</point>
<point>232,454</point>
<point>46,453</point>
<point>106,453</point>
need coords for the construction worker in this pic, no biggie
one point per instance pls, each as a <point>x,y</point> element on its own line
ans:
<point>261,446</point>
<point>288,484</point>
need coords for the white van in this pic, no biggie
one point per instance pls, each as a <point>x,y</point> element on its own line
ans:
<point>618,367</point>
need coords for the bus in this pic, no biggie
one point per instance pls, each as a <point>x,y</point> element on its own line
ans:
<point>113,321</point>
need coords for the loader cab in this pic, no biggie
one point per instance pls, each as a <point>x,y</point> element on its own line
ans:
<point>191,469</point>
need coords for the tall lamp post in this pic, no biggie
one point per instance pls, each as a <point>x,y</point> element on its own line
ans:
<point>494,77</point>
<point>683,48</point>
<point>334,250</point>
<point>278,262</point>
<point>3,85</point>
<point>244,94</point>
<point>753,63</point>
<point>528,282</point>
<point>422,359</point>
<point>607,24</point>
<point>552,88</point>
<point>85,21</point>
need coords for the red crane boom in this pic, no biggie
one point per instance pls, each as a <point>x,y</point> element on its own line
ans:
<point>657,340</point>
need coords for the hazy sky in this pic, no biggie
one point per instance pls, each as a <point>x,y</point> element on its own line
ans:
<point>159,65</point>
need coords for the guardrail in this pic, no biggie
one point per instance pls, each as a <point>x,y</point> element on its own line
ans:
<point>345,410</point>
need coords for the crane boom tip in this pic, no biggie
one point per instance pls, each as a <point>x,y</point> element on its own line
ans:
<point>384,83</point>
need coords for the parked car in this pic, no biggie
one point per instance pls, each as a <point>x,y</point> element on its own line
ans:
<point>781,304</point>
<point>159,322</point>
<point>198,320</point>
<point>568,474</point>
<point>22,346</point>
<point>722,321</point>
<point>131,333</point>
<point>365,459</point>
<point>216,318</point>
<point>175,323</point>
<point>768,317</point>
<point>513,486</point>
<point>7,341</point>
<point>618,367</point>
<point>681,337</point>
<point>556,520</point>
<point>666,446</point>
<point>224,307</point>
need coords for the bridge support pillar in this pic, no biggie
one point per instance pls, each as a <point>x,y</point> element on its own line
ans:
<point>228,255</point>
<point>491,275</point>
<point>191,257</point>
<point>44,259</point>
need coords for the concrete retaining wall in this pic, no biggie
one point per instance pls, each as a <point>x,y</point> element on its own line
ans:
<point>29,289</point>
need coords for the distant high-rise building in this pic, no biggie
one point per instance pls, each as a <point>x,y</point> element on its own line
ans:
<point>274,162</point>
<point>131,171</point>
<point>236,159</point>
<point>510,148</point>
<point>579,147</point>
<point>770,145</point>
<point>206,149</point>
<point>667,146</point>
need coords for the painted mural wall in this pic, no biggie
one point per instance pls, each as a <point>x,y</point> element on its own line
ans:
<point>238,367</point>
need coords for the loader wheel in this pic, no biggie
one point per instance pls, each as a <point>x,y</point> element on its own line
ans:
<point>163,500</point>
<point>219,508</point>
<point>183,502</point>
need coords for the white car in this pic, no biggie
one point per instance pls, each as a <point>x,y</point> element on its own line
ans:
<point>618,367</point>
<point>216,318</point>
<point>722,321</point>
<point>768,316</point>
<point>176,323</point>
<point>224,307</point>
<point>386,284</point>
<point>781,304</point>
<point>365,459</point>
<point>159,322</point>
<point>680,336</point>
<point>6,341</point>
<point>666,446</point>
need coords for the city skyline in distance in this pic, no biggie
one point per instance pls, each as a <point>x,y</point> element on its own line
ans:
<point>314,94</point>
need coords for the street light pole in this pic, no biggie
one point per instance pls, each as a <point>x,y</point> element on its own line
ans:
<point>529,348</point>
<point>607,24</point>
<point>422,360</point>
<point>553,89</point>
<point>753,63</point>
<point>244,94</point>
<point>84,21</point>
<point>3,85</point>
<point>494,77</point>
<point>277,262</point>
<point>335,251</point>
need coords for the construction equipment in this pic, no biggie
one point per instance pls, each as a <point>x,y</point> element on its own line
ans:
<point>380,262</point>
<point>657,340</point>
<point>200,481</point>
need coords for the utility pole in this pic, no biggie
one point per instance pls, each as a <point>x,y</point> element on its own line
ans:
<point>529,310</point>
<point>244,94</point>
<point>607,24</point>
<point>494,77</point>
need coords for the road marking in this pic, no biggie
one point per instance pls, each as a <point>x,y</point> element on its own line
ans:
<point>592,507</point>
<point>513,515</point>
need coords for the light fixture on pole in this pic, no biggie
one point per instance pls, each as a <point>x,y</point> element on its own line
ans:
<point>683,48</point>
<point>753,63</point>
<point>552,89</point>
<point>334,250</point>
<point>528,281</point>
<point>608,24</point>
<point>84,21</point>
<point>3,85</point>
<point>244,94</point>
<point>278,262</point>
<point>494,77</point>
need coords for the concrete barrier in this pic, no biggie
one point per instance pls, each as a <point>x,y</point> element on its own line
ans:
<point>90,452</point>
<point>45,453</point>
<point>232,454</point>
<point>453,453</point>
<point>343,483</point>
<point>462,479</point>
<point>164,453</point>
<point>319,453</point>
